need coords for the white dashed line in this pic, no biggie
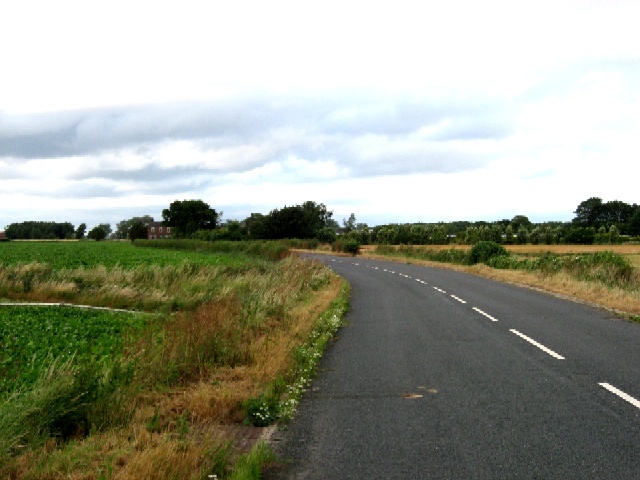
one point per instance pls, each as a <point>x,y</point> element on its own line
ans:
<point>441,291</point>
<point>458,299</point>
<point>540,346</point>
<point>485,314</point>
<point>621,394</point>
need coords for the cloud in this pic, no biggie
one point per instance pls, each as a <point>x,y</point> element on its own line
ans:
<point>365,135</point>
<point>498,101</point>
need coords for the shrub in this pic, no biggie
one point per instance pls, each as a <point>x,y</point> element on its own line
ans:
<point>326,235</point>
<point>482,251</point>
<point>348,245</point>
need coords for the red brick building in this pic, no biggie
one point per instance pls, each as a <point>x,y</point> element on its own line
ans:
<point>158,230</point>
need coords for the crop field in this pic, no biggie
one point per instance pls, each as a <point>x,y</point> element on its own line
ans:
<point>114,274</point>
<point>211,339</point>
<point>125,255</point>
<point>31,337</point>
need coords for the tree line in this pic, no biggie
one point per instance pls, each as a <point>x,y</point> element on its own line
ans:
<point>35,230</point>
<point>595,221</point>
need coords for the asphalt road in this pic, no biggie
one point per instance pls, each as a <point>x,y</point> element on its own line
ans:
<point>443,375</point>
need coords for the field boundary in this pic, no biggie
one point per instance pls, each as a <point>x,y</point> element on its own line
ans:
<point>70,305</point>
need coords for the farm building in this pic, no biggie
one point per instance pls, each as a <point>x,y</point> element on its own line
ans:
<point>158,230</point>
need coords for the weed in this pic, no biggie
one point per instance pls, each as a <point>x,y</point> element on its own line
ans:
<point>485,250</point>
<point>249,466</point>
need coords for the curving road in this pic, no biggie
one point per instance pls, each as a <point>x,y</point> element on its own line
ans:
<point>444,375</point>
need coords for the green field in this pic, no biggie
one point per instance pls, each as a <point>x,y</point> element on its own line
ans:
<point>71,255</point>
<point>31,338</point>
<point>116,274</point>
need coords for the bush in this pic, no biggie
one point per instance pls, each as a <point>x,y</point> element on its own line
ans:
<point>348,245</point>
<point>482,251</point>
<point>326,235</point>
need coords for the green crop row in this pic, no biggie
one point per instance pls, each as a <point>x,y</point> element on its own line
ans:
<point>31,338</point>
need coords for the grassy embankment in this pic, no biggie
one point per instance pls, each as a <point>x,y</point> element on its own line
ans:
<point>225,338</point>
<point>605,275</point>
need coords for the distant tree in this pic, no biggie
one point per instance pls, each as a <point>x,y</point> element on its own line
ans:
<point>580,235</point>
<point>614,235</point>
<point>439,235</point>
<point>387,234</point>
<point>123,228</point>
<point>231,230</point>
<point>97,233</point>
<point>634,224</point>
<point>616,213</point>
<point>589,213</point>
<point>137,230</point>
<point>107,228</point>
<point>596,213</point>
<point>299,221</point>
<point>31,230</point>
<point>472,235</point>
<point>547,235</point>
<point>316,216</point>
<point>331,223</point>
<point>535,235</point>
<point>349,224</point>
<point>521,221</point>
<point>522,235</point>
<point>82,228</point>
<point>255,226</point>
<point>364,233</point>
<point>509,236</point>
<point>188,216</point>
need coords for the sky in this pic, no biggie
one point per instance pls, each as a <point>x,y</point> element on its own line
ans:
<point>394,111</point>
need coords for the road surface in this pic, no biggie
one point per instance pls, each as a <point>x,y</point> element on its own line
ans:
<point>444,375</point>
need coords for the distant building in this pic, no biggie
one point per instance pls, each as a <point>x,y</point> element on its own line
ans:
<point>3,237</point>
<point>157,230</point>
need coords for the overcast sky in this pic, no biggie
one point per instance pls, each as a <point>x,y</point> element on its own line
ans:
<point>395,111</point>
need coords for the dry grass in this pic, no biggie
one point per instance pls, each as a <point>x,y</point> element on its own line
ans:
<point>619,300</point>
<point>626,249</point>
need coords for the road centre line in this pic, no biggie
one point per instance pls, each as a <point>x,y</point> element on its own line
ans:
<point>621,394</point>
<point>458,299</point>
<point>485,314</point>
<point>539,345</point>
<point>438,289</point>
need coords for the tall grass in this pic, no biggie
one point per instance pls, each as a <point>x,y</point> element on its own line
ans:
<point>67,400</point>
<point>226,333</point>
<point>603,267</point>
<point>607,268</point>
<point>148,287</point>
<point>451,255</point>
<point>270,250</point>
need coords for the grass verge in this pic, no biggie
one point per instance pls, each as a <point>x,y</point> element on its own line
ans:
<point>598,275</point>
<point>180,411</point>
